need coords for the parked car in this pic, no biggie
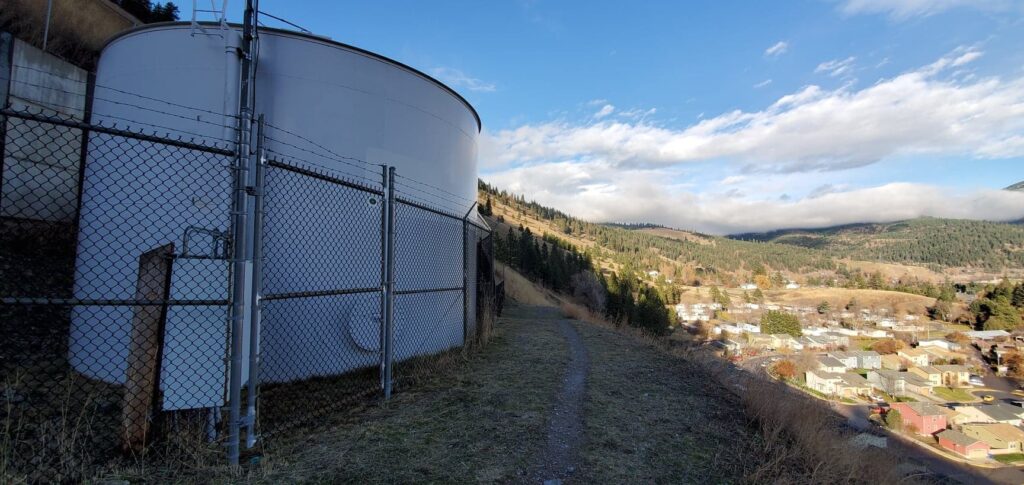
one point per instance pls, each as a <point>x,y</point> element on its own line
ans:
<point>976,381</point>
<point>880,407</point>
<point>988,398</point>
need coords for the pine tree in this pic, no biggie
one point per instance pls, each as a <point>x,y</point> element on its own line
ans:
<point>1017,299</point>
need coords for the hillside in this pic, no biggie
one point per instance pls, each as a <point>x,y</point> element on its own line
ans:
<point>695,257</point>
<point>1019,186</point>
<point>939,243</point>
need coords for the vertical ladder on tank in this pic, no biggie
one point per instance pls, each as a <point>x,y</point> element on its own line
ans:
<point>219,15</point>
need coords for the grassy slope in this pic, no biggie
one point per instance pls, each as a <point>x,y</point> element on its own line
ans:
<point>839,297</point>
<point>888,270</point>
<point>483,419</point>
<point>654,418</point>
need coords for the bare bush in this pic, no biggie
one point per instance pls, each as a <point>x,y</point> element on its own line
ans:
<point>587,288</point>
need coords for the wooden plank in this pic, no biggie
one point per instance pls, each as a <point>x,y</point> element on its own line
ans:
<point>144,347</point>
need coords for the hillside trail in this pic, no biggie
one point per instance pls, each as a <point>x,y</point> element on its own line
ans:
<point>560,456</point>
<point>623,412</point>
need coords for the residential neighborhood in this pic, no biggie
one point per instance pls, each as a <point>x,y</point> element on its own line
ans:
<point>922,380</point>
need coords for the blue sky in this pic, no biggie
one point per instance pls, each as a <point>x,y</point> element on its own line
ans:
<point>670,111</point>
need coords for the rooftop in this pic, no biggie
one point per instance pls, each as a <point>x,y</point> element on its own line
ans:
<point>999,431</point>
<point>924,408</point>
<point>831,362</point>
<point>999,412</point>
<point>958,437</point>
<point>987,334</point>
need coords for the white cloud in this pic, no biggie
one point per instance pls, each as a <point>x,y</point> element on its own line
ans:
<point>762,84</point>
<point>602,192</point>
<point>604,111</point>
<point>777,49</point>
<point>813,129</point>
<point>966,57</point>
<point>458,79</point>
<point>836,67</point>
<point>904,9</point>
<point>637,113</point>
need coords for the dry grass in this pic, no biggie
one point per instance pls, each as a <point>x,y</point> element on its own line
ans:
<point>679,235</point>
<point>520,289</point>
<point>899,271</point>
<point>839,297</point>
<point>810,441</point>
<point>651,418</point>
<point>803,440</point>
<point>788,437</point>
<point>465,417</point>
<point>78,28</point>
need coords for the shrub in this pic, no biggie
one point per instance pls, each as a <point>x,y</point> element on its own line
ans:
<point>587,288</point>
<point>774,322</point>
<point>888,346</point>
<point>894,420</point>
<point>785,369</point>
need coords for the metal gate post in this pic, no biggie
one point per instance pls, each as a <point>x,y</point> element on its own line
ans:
<point>389,300</point>
<point>256,291</point>
<point>383,273</point>
<point>465,277</point>
<point>465,282</point>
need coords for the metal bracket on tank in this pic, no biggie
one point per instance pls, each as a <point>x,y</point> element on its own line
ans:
<point>220,243</point>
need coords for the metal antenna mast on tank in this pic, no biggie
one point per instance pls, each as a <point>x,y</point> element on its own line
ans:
<point>241,256</point>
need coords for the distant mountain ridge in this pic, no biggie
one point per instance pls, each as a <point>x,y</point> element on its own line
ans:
<point>1018,187</point>
<point>944,242</point>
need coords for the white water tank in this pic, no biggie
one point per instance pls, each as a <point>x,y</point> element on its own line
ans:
<point>324,103</point>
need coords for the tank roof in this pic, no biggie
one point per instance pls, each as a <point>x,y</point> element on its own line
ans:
<point>315,38</point>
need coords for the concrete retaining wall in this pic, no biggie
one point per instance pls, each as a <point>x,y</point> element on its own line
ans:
<point>41,163</point>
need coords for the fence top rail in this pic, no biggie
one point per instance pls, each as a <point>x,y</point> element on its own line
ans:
<point>479,226</point>
<point>321,174</point>
<point>98,128</point>
<point>428,208</point>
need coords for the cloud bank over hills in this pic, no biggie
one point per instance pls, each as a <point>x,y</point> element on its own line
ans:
<point>612,167</point>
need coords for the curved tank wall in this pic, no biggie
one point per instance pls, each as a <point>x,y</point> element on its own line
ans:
<point>344,102</point>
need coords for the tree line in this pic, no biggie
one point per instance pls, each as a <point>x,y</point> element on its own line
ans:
<point>701,260</point>
<point>562,267</point>
<point>924,241</point>
<point>998,307</point>
<point>148,11</point>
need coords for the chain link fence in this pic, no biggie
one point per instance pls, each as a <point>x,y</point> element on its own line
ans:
<point>113,292</point>
<point>122,332</point>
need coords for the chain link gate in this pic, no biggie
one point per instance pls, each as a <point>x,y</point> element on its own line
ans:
<point>321,326</point>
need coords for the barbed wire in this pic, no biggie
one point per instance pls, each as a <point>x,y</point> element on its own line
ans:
<point>122,103</point>
<point>438,189</point>
<point>453,213</point>
<point>97,85</point>
<point>360,179</point>
<point>328,150</point>
<point>169,133</point>
<point>436,198</point>
<point>416,190</point>
<point>341,159</point>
